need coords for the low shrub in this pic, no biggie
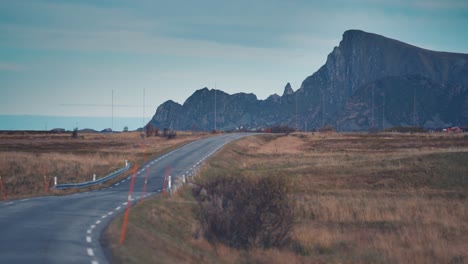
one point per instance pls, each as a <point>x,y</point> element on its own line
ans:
<point>243,212</point>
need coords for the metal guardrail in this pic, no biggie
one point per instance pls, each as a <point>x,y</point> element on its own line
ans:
<point>90,183</point>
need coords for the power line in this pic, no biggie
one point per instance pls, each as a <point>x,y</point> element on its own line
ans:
<point>101,105</point>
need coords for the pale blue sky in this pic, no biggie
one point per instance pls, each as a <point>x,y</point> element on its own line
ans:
<point>56,52</point>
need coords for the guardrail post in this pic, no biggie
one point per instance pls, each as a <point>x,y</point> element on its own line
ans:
<point>94,177</point>
<point>55,181</point>
<point>183,178</point>
<point>126,163</point>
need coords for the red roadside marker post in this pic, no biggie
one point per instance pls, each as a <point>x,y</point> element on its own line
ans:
<point>2,189</point>
<point>45,184</point>
<point>127,210</point>
<point>44,171</point>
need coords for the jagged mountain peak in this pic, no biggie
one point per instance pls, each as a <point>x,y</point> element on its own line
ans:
<point>274,97</point>
<point>367,79</point>
<point>288,90</point>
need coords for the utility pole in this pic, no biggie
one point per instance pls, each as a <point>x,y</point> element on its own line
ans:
<point>224,108</point>
<point>143,120</point>
<point>373,88</point>
<point>323,108</point>
<point>383,112</point>
<point>297,124</point>
<point>215,108</point>
<point>112,112</point>
<point>414,106</point>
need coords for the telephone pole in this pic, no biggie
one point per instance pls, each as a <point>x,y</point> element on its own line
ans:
<point>297,122</point>
<point>215,108</point>
<point>414,106</point>
<point>112,112</point>
<point>383,112</point>
<point>323,108</point>
<point>373,88</point>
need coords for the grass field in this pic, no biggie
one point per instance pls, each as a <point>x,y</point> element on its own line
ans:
<point>359,198</point>
<point>26,157</point>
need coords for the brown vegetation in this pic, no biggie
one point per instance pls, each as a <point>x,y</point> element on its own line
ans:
<point>245,212</point>
<point>359,198</point>
<point>26,157</point>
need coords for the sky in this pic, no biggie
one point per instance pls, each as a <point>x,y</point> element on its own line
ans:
<point>67,58</point>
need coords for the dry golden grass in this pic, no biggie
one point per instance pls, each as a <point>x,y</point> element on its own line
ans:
<point>359,198</point>
<point>26,157</point>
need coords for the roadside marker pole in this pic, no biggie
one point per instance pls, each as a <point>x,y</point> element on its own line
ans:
<point>166,177</point>
<point>2,189</point>
<point>144,186</point>
<point>169,180</point>
<point>127,210</point>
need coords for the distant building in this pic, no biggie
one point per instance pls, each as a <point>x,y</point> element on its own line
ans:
<point>454,129</point>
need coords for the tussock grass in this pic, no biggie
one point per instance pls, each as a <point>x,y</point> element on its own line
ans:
<point>26,157</point>
<point>358,198</point>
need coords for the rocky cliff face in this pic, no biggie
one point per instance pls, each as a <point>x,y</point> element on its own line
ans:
<point>367,81</point>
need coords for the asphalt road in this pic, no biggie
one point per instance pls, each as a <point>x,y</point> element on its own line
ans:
<point>67,229</point>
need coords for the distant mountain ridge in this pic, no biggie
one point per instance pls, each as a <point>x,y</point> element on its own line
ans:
<point>367,81</point>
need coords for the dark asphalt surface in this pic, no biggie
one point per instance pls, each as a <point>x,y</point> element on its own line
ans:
<point>67,229</point>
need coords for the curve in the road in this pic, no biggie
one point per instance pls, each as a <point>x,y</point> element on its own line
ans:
<point>66,229</point>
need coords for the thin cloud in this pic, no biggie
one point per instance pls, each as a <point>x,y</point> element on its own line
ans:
<point>437,4</point>
<point>5,66</point>
<point>138,42</point>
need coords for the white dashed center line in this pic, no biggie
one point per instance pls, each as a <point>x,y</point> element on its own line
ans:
<point>90,252</point>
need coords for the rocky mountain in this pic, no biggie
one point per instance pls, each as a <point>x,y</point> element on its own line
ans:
<point>367,81</point>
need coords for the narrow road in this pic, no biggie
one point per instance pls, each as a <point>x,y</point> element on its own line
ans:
<point>66,229</point>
